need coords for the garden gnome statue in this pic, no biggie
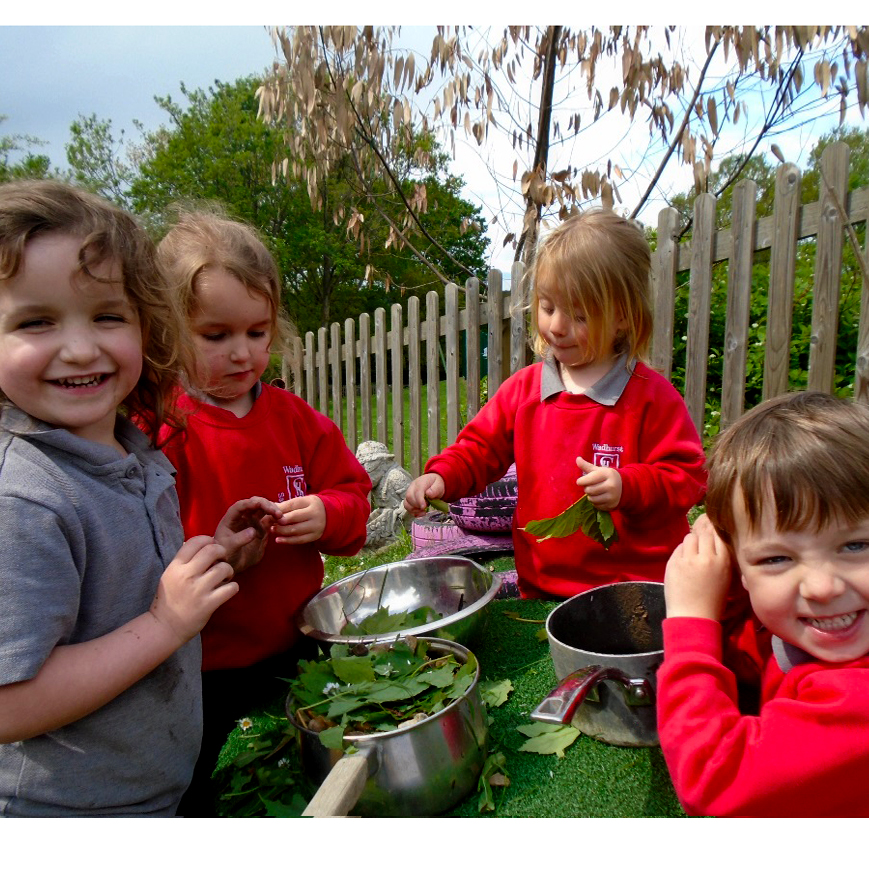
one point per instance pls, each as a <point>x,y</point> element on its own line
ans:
<point>389,482</point>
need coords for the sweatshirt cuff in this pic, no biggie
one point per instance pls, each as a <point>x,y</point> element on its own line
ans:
<point>683,634</point>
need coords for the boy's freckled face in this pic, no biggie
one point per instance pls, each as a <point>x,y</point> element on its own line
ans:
<point>70,346</point>
<point>232,328</point>
<point>809,587</point>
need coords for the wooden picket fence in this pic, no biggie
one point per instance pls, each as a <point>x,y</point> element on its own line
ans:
<point>342,370</point>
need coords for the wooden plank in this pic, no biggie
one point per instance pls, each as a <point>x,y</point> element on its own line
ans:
<point>350,431</point>
<point>699,305</point>
<point>414,377</point>
<point>861,363</point>
<point>828,268</point>
<point>451,352</point>
<point>782,267</point>
<point>310,368</point>
<point>341,789</point>
<point>738,302</point>
<point>495,345</point>
<point>664,291</point>
<point>808,224</point>
<point>337,379</point>
<point>472,346</point>
<point>519,350</point>
<point>365,373</point>
<point>432,371</point>
<point>296,365</point>
<point>323,370</point>
<point>396,336</point>
<point>380,375</point>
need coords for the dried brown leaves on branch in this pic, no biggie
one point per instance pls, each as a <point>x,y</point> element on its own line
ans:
<point>349,93</point>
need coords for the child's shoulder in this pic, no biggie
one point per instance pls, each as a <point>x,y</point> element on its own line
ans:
<point>651,381</point>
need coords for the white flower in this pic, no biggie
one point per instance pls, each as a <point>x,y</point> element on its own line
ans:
<point>331,687</point>
<point>283,762</point>
<point>245,723</point>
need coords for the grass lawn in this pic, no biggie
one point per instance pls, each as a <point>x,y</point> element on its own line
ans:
<point>260,775</point>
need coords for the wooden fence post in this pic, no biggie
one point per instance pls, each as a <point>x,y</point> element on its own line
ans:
<point>518,325</point>
<point>699,299</point>
<point>472,346</point>
<point>414,385</point>
<point>337,386</point>
<point>664,291</point>
<point>350,380</point>
<point>828,267</point>
<point>380,375</point>
<point>396,343</point>
<point>495,345</point>
<point>365,373</point>
<point>323,370</point>
<point>738,301</point>
<point>782,266</point>
<point>432,370</point>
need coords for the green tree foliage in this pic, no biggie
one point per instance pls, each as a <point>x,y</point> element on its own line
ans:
<point>94,156</point>
<point>29,166</point>
<point>216,148</point>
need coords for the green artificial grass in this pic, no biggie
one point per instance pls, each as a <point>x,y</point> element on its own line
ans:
<point>591,780</point>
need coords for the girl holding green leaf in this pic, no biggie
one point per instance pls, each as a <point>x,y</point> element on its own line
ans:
<point>592,403</point>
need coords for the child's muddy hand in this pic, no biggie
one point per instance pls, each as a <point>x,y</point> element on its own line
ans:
<point>193,586</point>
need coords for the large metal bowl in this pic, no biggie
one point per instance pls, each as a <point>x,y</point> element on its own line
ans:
<point>455,586</point>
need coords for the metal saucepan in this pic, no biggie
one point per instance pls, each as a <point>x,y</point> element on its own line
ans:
<point>420,770</point>
<point>607,645</point>
<point>457,588</point>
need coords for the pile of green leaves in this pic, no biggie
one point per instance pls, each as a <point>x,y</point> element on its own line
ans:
<point>384,622</point>
<point>361,689</point>
<point>583,516</point>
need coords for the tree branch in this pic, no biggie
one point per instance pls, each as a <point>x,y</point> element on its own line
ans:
<point>678,137</point>
<point>369,140</point>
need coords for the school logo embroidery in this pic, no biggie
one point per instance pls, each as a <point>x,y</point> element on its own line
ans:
<point>296,485</point>
<point>606,455</point>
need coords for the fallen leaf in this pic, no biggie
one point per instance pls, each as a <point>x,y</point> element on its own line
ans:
<point>547,738</point>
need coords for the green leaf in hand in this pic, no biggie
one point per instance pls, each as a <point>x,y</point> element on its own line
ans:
<point>583,516</point>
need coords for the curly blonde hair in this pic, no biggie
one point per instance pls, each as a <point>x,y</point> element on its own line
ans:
<point>34,208</point>
<point>205,238</point>
<point>597,264</point>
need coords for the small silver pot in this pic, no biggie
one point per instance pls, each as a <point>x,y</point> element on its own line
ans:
<point>417,771</point>
<point>606,645</point>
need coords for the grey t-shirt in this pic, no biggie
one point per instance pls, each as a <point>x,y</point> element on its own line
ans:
<point>84,537</point>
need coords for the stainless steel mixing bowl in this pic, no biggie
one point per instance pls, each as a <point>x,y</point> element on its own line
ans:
<point>456,587</point>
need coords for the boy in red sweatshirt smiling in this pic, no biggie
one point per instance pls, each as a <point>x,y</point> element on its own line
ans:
<point>788,503</point>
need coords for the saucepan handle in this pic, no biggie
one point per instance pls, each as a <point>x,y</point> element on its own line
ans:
<point>343,786</point>
<point>560,704</point>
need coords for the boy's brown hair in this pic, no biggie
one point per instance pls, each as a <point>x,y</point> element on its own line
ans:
<point>805,455</point>
<point>599,266</point>
<point>206,238</point>
<point>33,208</point>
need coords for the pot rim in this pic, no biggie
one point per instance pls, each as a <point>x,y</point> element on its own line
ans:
<point>435,642</point>
<point>322,637</point>
<point>626,655</point>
